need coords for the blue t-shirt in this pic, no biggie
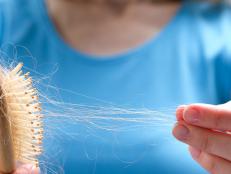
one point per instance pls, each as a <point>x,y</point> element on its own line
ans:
<point>188,61</point>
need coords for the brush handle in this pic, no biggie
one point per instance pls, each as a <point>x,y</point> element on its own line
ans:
<point>7,162</point>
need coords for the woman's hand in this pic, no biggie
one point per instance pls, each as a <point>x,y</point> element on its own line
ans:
<point>26,169</point>
<point>206,129</point>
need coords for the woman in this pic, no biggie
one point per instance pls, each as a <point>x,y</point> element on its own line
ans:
<point>136,54</point>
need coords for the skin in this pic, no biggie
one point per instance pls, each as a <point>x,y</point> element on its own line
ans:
<point>99,29</point>
<point>206,129</point>
<point>26,169</point>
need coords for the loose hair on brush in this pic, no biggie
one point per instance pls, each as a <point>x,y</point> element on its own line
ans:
<point>21,129</point>
<point>21,119</point>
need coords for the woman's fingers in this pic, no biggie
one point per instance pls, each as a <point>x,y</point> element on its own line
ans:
<point>207,116</point>
<point>211,163</point>
<point>212,142</point>
<point>27,169</point>
<point>206,128</point>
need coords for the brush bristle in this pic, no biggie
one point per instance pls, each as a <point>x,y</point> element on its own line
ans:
<point>24,115</point>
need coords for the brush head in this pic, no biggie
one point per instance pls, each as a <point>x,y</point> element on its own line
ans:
<point>20,114</point>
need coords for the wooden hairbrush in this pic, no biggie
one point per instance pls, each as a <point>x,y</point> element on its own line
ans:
<point>21,129</point>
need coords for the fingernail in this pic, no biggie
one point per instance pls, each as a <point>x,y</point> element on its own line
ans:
<point>179,112</point>
<point>181,132</point>
<point>191,115</point>
<point>194,152</point>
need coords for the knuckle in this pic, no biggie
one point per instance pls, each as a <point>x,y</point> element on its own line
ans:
<point>210,163</point>
<point>212,167</point>
<point>206,144</point>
